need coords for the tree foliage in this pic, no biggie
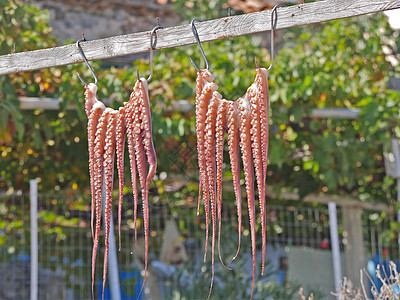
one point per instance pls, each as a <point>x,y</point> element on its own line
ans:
<point>335,64</point>
<point>37,144</point>
<point>52,144</point>
<point>338,64</point>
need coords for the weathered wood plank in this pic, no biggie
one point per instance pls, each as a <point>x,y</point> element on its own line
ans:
<point>344,201</point>
<point>394,83</point>
<point>296,15</point>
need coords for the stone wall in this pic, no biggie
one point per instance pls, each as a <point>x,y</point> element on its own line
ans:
<point>249,6</point>
<point>99,19</point>
<point>102,18</point>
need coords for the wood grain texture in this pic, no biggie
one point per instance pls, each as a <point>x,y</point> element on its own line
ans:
<point>394,83</point>
<point>176,36</point>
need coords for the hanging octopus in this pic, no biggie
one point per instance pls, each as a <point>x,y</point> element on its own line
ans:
<point>107,131</point>
<point>246,124</point>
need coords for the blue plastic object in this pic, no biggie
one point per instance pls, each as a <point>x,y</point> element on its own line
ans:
<point>385,269</point>
<point>124,279</point>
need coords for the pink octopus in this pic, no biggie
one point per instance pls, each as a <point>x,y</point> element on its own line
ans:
<point>107,131</point>
<point>246,124</point>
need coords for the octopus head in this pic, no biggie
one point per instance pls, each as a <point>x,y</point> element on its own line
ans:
<point>217,95</point>
<point>207,76</point>
<point>92,88</point>
<point>144,83</point>
<point>244,105</point>
<point>263,72</point>
<point>213,86</point>
<point>109,110</point>
<point>99,105</point>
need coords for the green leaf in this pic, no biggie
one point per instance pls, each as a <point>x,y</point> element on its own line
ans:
<point>3,120</point>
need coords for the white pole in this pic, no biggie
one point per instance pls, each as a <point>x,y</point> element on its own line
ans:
<point>34,238</point>
<point>398,212</point>
<point>337,262</point>
<point>396,173</point>
<point>113,273</point>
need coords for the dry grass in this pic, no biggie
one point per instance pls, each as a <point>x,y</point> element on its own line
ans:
<point>302,297</point>
<point>388,291</point>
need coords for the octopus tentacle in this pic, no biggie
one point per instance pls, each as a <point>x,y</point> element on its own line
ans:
<point>220,134</point>
<point>90,97</point>
<point>90,100</point>
<point>132,158</point>
<point>262,102</point>
<point>98,176</point>
<point>247,125</point>
<point>204,81</point>
<point>210,124</point>
<point>109,155</point>
<point>107,129</point>
<point>138,139</point>
<point>203,96</point>
<point>91,128</point>
<point>145,119</point>
<point>245,145</point>
<point>147,130</point>
<point>234,156</point>
<point>255,132</point>
<point>199,89</point>
<point>120,148</point>
<point>140,160</point>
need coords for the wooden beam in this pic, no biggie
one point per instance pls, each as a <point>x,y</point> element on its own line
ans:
<point>28,103</point>
<point>335,113</point>
<point>343,201</point>
<point>354,253</point>
<point>296,15</point>
<point>394,83</point>
<point>31,103</point>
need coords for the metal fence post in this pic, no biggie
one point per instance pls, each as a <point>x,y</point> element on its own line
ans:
<point>34,239</point>
<point>337,262</point>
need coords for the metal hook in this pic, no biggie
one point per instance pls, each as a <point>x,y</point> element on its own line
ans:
<point>153,32</point>
<point>86,61</point>
<point>272,31</point>
<point>256,62</point>
<point>152,45</point>
<point>196,36</point>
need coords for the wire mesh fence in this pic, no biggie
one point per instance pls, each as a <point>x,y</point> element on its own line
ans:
<point>378,242</point>
<point>65,245</point>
